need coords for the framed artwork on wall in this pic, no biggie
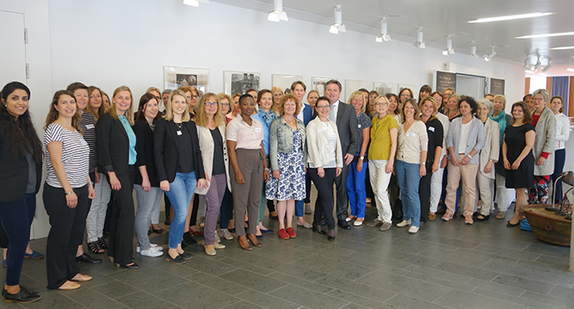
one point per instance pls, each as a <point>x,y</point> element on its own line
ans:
<point>383,88</point>
<point>284,81</point>
<point>239,81</point>
<point>319,84</point>
<point>175,77</point>
<point>353,85</point>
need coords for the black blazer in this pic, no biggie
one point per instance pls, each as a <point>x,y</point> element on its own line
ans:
<point>347,129</point>
<point>113,145</point>
<point>145,150</point>
<point>166,154</point>
<point>14,174</point>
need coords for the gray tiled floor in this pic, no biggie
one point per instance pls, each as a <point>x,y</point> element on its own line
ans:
<point>445,265</point>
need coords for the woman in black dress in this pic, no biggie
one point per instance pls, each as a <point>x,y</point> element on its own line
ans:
<point>517,155</point>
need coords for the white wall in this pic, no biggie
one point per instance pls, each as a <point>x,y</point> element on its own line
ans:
<point>110,43</point>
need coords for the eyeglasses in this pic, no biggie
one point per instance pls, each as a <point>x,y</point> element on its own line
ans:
<point>324,106</point>
<point>224,104</point>
<point>381,104</point>
<point>211,103</point>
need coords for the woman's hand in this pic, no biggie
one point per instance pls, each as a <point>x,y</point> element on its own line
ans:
<point>276,174</point>
<point>164,185</point>
<point>115,182</point>
<point>444,162</point>
<point>454,160</point>
<point>146,185</point>
<point>240,180</point>
<point>207,177</point>
<point>465,160</point>
<point>360,165</point>
<point>72,200</point>
<point>516,165</point>
<point>97,177</point>
<point>266,176</point>
<point>390,166</point>
<point>488,167</point>
<point>507,164</point>
<point>321,172</point>
<point>540,161</point>
<point>91,192</point>
<point>422,170</point>
<point>434,167</point>
<point>338,171</point>
<point>202,183</point>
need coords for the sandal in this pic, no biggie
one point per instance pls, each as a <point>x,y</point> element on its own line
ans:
<point>481,217</point>
<point>94,246</point>
<point>500,215</point>
<point>102,243</point>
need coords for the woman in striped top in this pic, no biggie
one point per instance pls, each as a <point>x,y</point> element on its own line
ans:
<point>66,192</point>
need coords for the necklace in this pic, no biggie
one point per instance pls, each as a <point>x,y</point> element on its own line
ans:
<point>291,122</point>
<point>178,125</point>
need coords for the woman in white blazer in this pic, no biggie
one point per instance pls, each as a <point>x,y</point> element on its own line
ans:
<point>487,159</point>
<point>325,160</point>
<point>211,133</point>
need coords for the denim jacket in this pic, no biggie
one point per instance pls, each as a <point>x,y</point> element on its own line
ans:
<point>281,140</point>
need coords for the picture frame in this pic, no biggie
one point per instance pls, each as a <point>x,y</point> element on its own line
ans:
<point>383,88</point>
<point>175,77</point>
<point>284,81</point>
<point>353,85</point>
<point>240,81</point>
<point>319,84</point>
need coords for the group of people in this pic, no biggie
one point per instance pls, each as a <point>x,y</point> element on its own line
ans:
<point>228,159</point>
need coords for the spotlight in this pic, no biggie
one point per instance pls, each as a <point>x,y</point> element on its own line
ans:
<point>195,3</point>
<point>278,14</point>
<point>384,35</point>
<point>448,49</point>
<point>419,43</point>
<point>526,66</point>
<point>338,25</point>
<point>473,50</point>
<point>546,68</point>
<point>490,56</point>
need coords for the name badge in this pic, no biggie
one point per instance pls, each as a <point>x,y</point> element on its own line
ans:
<point>411,134</point>
<point>257,130</point>
<point>89,126</point>
<point>359,126</point>
<point>83,142</point>
<point>431,129</point>
<point>178,132</point>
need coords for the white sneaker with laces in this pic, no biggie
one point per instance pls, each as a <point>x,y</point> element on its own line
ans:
<point>151,252</point>
<point>152,246</point>
<point>226,234</point>
<point>413,229</point>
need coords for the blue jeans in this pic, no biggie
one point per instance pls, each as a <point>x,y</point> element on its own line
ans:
<point>409,178</point>
<point>180,193</point>
<point>356,190</point>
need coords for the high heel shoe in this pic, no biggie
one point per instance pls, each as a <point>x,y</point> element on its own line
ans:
<point>242,240</point>
<point>132,265</point>
<point>512,225</point>
<point>331,235</point>
<point>254,240</point>
<point>318,229</point>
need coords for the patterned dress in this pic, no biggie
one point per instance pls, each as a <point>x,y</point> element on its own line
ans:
<point>291,185</point>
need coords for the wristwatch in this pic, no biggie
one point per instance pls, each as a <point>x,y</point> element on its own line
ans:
<point>362,158</point>
<point>68,193</point>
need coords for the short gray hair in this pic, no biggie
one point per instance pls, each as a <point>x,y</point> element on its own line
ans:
<point>543,92</point>
<point>486,103</point>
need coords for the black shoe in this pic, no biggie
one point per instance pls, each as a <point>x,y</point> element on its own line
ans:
<point>331,235</point>
<point>177,260</point>
<point>188,239</point>
<point>24,296</point>
<point>481,217</point>
<point>185,256</point>
<point>512,225</point>
<point>231,230</point>
<point>184,245</point>
<point>157,231</point>
<point>85,258</point>
<point>103,243</point>
<point>318,229</point>
<point>167,222</point>
<point>132,266</point>
<point>343,224</point>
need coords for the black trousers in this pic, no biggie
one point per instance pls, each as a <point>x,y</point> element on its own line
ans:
<point>67,230</point>
<point>121,241</point>
<point>396,203</point>
<point>424,192</point>
<point>324,202</point>
<point>342,198</point>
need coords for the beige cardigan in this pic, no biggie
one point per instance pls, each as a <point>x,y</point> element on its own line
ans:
<point>318,144</point>
<point>545,142</point>
<point>206,145</point>
<point>491,148</point>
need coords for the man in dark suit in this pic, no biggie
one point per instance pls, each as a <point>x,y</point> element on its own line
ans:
<point>346,119</point>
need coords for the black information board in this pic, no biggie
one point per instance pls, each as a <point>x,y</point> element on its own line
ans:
<point>445,80</point>
<point>497,86</point>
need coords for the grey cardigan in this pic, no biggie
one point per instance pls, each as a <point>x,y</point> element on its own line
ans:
<point>281,140</point>
<point>475,140</point>
<point>545,142</point>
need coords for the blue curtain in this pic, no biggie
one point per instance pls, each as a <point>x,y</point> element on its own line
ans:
<point>561,87</point>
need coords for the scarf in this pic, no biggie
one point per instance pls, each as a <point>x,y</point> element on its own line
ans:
<point>501,119</point>
<point>269,118</point>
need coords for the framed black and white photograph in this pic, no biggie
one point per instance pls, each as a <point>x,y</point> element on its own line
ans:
<point>383,88</point>
<point>175,77</point>
<point>353,85</point>
<point>319,84</point>
<point>284,81</point>
<point>240,82</point>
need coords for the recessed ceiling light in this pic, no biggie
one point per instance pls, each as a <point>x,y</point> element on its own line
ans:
<point>562,48</point>
<point>546,35</point>
<point>509,17</point>
<point>570,69</point>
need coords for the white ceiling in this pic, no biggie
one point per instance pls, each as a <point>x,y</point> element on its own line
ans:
<point>440,18</point>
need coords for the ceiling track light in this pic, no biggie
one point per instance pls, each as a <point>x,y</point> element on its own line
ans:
<point>546,68</point>
<point>419,43</point>
<point>195,3</point>
<point>526,66</point>
<point>338,25</point>
<point>448,49</point>
<point>384,35</point>
<point>473,53</point>
<point>489,57</point>
<point>278,14</point>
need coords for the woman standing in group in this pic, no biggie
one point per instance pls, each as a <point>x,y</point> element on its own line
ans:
<point>435,133</point>
<point>266,116</point>
<point>312,97</point>
<point>67,190</point>
<point>452,107</point>
<point>21,170</point>
<point>410,163</point>
<point>504,195</point>
<point>437,177</point>
<point>488,158</point>
<point>519,138</point>
<point>464,141</point>
<point>277,93</point>
<point>225,105</point>
<point>211,133</point>
<point>404,95</point>
<point>382,152</point>
<point>325,159</point>
<point>146,181</point>
<point>287,152</point>
<point>179,166</point>
<point>356,191</point>
<point>246,153</point>
<point>226,221</point>
<point>95,106</point>
<point>118,157</point>
<point>544,123</point>
<point>394,190</point>
<point>562,135</point>
<point>373,95</point>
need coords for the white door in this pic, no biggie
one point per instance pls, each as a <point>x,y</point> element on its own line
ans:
<point>13,54</point>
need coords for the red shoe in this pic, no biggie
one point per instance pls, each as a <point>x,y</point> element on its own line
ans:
<point>283,234</point>
<point>291,232</point>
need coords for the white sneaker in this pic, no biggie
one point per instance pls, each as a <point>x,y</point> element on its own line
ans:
<point>152,246</point>
<point>218,246</point>
<point>151,252</point>
<point>404,223</point>
<point>217,239</point>
<point>226,234</point>
<point>413,229</point>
